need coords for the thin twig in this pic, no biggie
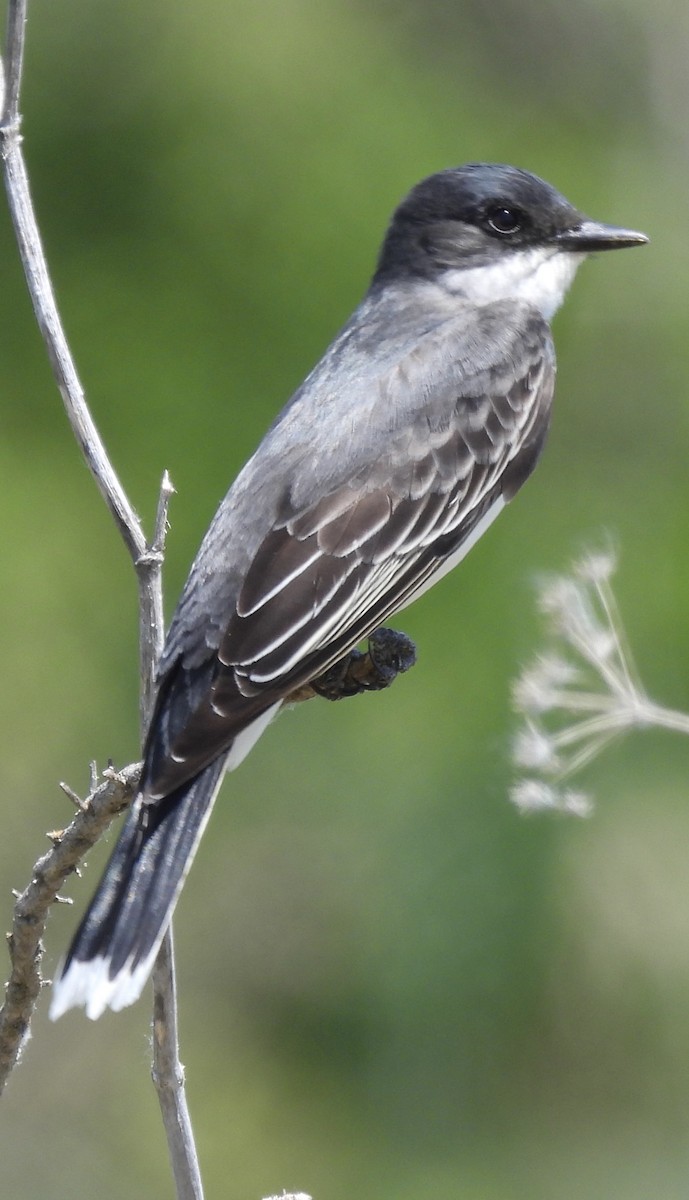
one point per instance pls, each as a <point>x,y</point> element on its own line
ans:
<point>14,57</point>
<point>43,297</point>
<point>167,1071</point>
<point>147,558</point>
<point>168,1074</point>
<point>149,567</point>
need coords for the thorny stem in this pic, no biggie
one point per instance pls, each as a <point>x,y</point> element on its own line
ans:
<point>94,816</point>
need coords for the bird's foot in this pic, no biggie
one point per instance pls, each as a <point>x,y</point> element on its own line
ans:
<point>389,654</point>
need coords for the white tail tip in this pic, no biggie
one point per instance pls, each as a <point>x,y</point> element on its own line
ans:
<point>88,985</point>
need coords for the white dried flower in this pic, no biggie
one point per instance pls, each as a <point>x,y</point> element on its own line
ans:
<point>557,597</point>
<point>534,749</point>
<point>602,644</point>
<point>290,1196</point>
<point>596,566</point>
<point>577,804</point>
<point>535,796</point>
<point>531,795</point>
<point>540,686</point>
<point>589,678</point>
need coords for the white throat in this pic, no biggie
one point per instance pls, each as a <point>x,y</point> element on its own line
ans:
<point>540,276</point>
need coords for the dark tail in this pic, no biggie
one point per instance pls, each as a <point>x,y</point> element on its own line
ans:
<point>114,948</point>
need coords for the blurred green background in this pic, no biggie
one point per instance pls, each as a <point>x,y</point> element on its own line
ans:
<point>392,986</point>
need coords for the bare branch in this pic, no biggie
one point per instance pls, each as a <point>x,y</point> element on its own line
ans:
<point>167,1070</point>
<point>149,577</point>
<point>43,297</point>
<point>168,1075</point>
<point>147,559</point>
<point>33,905</point>
<point>14,57</point>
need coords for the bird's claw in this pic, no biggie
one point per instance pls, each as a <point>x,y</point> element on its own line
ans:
<point>389,654</point>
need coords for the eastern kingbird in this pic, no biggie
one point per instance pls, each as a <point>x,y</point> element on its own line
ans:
<point>423,418</point>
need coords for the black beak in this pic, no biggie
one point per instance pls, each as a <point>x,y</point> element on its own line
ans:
<point>589,236</point>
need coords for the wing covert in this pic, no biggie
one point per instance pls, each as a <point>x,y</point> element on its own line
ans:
<point>367,548</point>
<point>319,542</point>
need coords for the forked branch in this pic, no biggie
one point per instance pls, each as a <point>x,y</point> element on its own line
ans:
<point>146,558</point>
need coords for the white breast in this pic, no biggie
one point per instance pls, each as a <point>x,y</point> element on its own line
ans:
<point>540,276</point>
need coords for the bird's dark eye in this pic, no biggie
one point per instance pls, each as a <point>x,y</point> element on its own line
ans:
<point>503,220</point>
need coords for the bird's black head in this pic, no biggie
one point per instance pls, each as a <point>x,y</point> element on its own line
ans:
<point>476,215</point>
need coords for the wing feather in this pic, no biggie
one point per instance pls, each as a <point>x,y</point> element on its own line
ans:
<point>351,537</point>
<point>377,553</point>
